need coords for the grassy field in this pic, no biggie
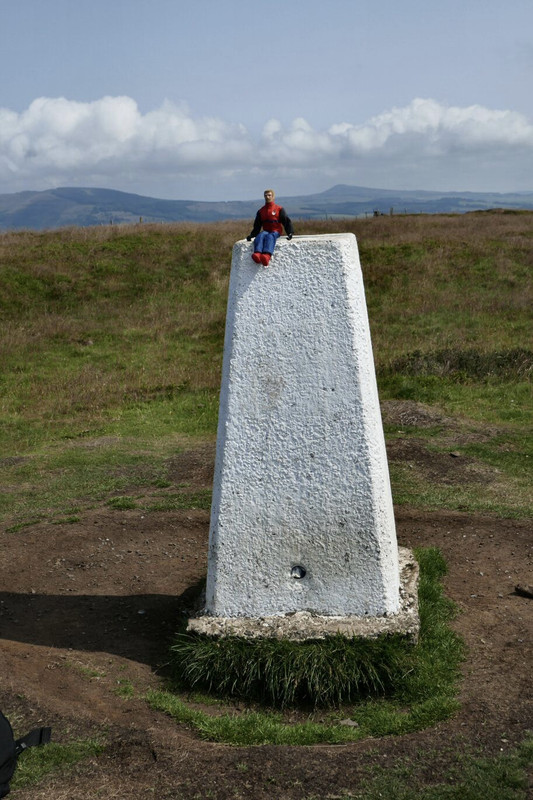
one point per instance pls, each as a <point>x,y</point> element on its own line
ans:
<point>114,335</point>
<point>110,359</point>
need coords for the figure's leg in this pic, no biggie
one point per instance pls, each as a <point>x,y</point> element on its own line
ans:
<point>270,242</point>
<point>268,247</point>
<point>258,247</point>
<point>259,242</point>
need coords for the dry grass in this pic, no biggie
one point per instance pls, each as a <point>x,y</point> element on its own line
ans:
<point>446,281</point>
<point>109,328</point>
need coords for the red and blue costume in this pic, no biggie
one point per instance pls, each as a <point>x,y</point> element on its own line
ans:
<point>268,227</point>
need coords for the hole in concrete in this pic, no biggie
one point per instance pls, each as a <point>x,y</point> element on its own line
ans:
<point>298,572</point>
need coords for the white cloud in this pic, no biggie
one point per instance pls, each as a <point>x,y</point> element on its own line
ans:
<point>431,123</point>
<point>59,136</point>
<point>109,142</point>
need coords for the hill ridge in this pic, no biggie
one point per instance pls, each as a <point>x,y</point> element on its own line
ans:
<point>67,206</point>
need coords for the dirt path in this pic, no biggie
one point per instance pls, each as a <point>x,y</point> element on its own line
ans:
<point>87,610</point>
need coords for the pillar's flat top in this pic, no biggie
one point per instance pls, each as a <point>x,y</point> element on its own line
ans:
<point>313,237</point>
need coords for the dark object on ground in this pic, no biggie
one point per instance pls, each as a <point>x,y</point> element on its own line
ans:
<point>11,748</point>
<point>524,591</point>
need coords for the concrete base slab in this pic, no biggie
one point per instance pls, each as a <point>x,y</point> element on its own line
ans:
<point>302,625</point>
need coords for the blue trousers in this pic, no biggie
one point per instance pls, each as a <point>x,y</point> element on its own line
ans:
<point>265,242</point>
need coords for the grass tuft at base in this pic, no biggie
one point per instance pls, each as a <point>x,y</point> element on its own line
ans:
<point>393,686</point>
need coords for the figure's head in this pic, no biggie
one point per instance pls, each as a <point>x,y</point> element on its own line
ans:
<point>269,195</point>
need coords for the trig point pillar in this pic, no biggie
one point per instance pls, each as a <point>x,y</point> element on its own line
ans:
<point>302,540</point>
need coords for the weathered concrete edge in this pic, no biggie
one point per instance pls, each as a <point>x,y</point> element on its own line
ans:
<point>301,625</point>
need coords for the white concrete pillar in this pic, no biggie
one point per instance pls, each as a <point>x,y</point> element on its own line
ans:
<point>302,517</point>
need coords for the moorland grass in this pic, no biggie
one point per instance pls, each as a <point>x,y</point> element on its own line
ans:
<point>115,334</point>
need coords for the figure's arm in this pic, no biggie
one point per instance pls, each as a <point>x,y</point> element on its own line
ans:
<point>286,222</point>
<point>256,228</point>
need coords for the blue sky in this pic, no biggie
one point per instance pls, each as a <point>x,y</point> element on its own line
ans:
<point>215,99</point>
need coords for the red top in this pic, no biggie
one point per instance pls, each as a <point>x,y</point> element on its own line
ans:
<point>270,218</point>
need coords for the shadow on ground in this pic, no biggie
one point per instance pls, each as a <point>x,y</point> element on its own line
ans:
<point>136,627</point>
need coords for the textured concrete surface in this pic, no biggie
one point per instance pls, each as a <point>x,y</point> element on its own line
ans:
<point>302,625</point>
<point>302,517</point>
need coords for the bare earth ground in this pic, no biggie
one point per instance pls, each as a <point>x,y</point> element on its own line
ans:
<point>86,608</point>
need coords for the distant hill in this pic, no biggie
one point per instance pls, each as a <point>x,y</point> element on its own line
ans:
<point>57,208</point>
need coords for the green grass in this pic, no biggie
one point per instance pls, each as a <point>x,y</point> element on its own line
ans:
<point>490,402</point>
<point>111,341</point>
<point>35,764</point>
<point>396,687</point>
<point>125,689</point>
<point>64,479</point>
<point>250,728</point>
<point>182,501</point>
<point>505,496</point>
<point>280,673</point>
<point>492,427</point>
<point>503,777</point>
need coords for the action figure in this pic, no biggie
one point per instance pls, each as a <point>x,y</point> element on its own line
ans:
<point>272,218</point>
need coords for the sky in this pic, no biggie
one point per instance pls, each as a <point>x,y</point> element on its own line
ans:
<point>218,99</point>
